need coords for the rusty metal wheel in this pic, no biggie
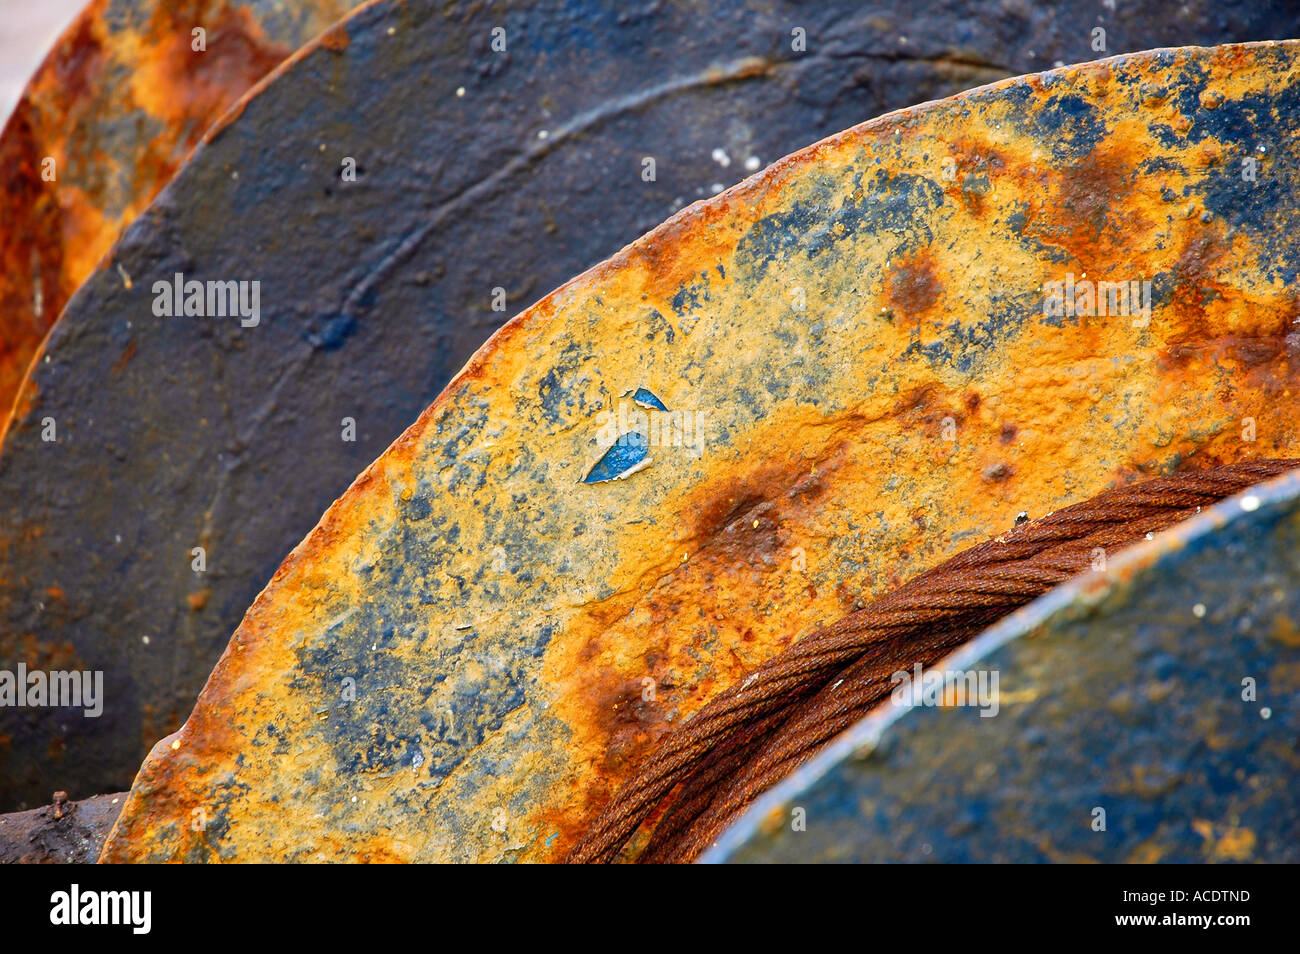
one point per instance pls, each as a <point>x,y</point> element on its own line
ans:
<point>397,191</point>
<point>475,643</point>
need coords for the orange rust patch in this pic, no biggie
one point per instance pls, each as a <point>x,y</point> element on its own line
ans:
<point>1194,283</point>
<point>975,163</point>
<point>633,716</point>
<point>78,58</point>
<point>674,258</point>
<point>1262,338</point>
<point>39,654</point>
<point>31,256</point>
<point>724,515</point>
<point>124,358</point>
<point>174,81</point>
<point>336,38</point>
<point>996,473</point>
<point>1081,216</point>
<point>914,285</point>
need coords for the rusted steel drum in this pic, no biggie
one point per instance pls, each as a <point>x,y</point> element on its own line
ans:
<point>396,192</point>
<point>476,643</point>
<point>1145,712</point>
<point>115,107</point>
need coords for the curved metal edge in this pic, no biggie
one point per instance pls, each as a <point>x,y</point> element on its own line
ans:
<point>761,181</point>
<point>697,216</point>
<point>93,11</point>
<point>1070,600</point>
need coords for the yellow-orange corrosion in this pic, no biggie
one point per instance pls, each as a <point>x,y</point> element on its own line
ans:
<point>850,461</point>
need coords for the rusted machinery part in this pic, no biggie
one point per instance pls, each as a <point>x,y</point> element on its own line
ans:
<point>115,107</point>
<point>1161,691</point>
<point>186,432</point>
<point>474,645</point>
<point>793,704</point>
<point>63,832</point>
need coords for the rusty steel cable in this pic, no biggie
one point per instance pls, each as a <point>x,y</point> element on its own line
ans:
<point>758,730</point>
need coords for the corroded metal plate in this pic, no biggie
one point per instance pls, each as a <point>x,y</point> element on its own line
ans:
<point>109,116</point>
<point>1145,713</point>
<point>474,645</point>
<point>483,179</point>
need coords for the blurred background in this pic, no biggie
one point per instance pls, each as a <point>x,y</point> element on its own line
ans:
<point>27,31</point>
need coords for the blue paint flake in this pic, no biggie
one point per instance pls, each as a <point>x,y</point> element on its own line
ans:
<point>624,458</point>
<point>645,398</point>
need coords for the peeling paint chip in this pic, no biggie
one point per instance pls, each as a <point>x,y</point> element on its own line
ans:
<point>644,397</point>
<point>621,460</point>
<point>626,457</point>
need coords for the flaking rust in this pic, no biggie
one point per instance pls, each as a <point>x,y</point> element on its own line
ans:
<point>854,408</point>
<point>113,110</point>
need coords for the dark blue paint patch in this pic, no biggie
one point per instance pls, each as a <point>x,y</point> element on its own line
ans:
<point>900,204</point>
<point>1251,205</point>
<point>690,298</point>
<point>559,401</point>
<point>1233,120</point>
<point>976,183</point>
<point>443,707</point>
<point>658,325</point>
<point>1242,125</point>
<point>1071,124</point>
<point>970,344</point>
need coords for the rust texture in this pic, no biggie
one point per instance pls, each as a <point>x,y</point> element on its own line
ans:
<point>444,668</point>
<point>475,171</point>
<point>784,711</point>
<point>1123,691</point>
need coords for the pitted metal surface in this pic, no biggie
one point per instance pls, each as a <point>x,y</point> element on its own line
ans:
<point>457,663</point>
<point>398,190</point>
